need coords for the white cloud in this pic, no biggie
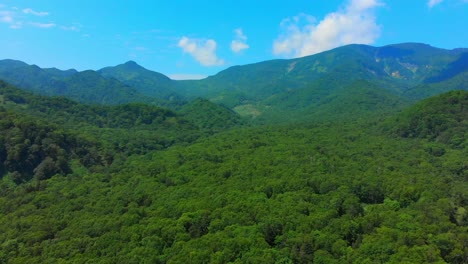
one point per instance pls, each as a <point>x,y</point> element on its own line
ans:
<point>432,3</point>
<point>186,76</point>
<point>354,24</point>
<point>29,11</point>
<point>238,44</point>
<point>43,25</point>
<point>204,51</point>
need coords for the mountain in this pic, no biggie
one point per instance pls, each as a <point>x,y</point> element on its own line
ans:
<point>292,90</point>
<point>86,86</point>
<point>411,70</point>
<point>146,82</point>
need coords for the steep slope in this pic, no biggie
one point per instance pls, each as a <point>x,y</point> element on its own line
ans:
<point>453,69</point>
<point>146,82</point>
<point>454,76</point>
<point>428,89</point>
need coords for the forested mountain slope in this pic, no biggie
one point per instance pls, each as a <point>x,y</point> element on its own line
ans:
<point>359,100</point>
<point>394,67</point>
<point>412,71</point>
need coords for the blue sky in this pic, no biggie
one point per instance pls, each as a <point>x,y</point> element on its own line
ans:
<point>198,38</point>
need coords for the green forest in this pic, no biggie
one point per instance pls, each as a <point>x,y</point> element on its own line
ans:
<point>357,173</point>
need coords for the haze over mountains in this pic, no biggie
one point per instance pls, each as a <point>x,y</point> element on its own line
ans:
<point>265,90</point>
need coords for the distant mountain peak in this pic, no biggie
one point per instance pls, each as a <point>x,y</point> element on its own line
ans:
<point>132,65</point>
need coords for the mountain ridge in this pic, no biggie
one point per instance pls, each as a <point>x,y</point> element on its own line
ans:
<point>412,71</point>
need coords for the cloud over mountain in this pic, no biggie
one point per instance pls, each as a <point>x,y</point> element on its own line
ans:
<point>204,51</point>
<point>239,43</point>
<point>302,35</point>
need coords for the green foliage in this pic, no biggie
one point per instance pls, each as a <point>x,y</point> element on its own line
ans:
<point>128,129</point>
<point>210,116</point>
<point>292,194</point>
<point>359,100</point>
<point>33,149</point>
<point>441,119</point>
